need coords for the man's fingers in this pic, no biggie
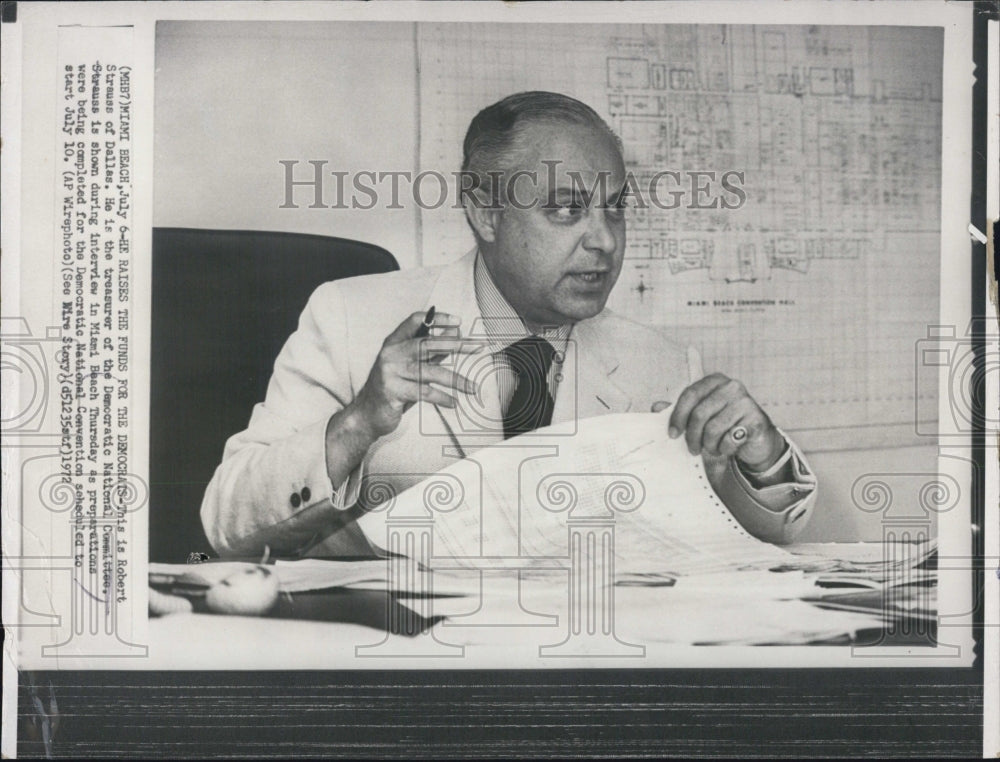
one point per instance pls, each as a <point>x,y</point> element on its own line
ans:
<point>727,445</point>
<point>425,372</point>
<point>689,398</point>
<point>435,374</point>
<point>447,332</point>
<point>446,320</point>
<point>407,392</point>
<point>435,396</point>
<point>409,327</point>
<point>716,439</point>
<point>438,347</point>
<point>703,412</point>
<point>446,326</point>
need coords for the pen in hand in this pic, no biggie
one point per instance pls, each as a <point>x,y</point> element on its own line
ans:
<point>425,327</point>
<point>424,330</point>
<point>402,375</point>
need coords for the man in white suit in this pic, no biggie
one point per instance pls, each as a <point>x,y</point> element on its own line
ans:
<point>521,339</point>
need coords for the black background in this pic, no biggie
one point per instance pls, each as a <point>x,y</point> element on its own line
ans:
<point>592,713</point>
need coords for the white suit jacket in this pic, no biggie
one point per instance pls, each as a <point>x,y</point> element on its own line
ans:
<point>272,488</point>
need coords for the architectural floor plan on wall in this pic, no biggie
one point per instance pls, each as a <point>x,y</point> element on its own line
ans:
<point>796,235</point>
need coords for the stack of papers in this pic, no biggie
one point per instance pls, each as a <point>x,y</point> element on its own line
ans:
<point>881,561</point>
<point>717,608</point>
<point>519,502</point>
<point>293,576</point>
<point>684,570</point>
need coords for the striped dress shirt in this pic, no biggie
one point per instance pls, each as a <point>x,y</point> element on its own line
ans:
<point>503,326</point>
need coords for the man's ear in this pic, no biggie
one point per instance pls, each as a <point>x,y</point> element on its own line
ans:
<point>482,215</point>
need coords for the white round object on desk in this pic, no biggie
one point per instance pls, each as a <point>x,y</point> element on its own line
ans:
<point>162,604</point>
<point>249,592</point>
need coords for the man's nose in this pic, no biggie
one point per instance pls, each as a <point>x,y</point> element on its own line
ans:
<point>599,236</point>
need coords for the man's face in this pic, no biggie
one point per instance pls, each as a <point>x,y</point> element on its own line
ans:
<point>557,260</point>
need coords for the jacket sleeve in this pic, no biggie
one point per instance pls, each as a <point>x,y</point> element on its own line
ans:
<point>775,513</point>
<point>272,489</point>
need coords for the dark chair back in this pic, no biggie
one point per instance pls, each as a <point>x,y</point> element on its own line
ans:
<point>224,302</point>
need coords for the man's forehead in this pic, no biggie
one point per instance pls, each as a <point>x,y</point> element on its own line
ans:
<point>562,150</point>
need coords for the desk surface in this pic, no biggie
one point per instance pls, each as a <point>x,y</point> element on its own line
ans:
<point>524,621</point>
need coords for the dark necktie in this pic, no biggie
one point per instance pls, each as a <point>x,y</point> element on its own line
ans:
<point>531,404</point>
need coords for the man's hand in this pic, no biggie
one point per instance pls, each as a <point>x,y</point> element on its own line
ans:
<point>406,367</point>
<point>711,409</point>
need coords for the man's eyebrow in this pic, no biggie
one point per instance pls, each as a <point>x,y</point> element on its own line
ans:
<point>573,193</point>
<point>564,193</point>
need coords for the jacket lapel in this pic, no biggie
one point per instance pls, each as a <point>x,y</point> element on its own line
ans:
<point>476,420</point>
<point>590,384</point>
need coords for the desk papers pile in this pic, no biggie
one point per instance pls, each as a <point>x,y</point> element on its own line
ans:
<point>518,501</point>
<point>684,570</point>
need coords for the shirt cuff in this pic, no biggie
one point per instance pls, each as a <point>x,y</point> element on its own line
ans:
<point>781,496</point>
<point>344,495</point>
<point>779,464</point>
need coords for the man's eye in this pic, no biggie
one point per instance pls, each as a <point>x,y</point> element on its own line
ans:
<point>567,213</point>
<point>618,211</point>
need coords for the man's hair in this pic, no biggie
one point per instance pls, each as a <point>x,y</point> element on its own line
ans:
<point>490,140</point>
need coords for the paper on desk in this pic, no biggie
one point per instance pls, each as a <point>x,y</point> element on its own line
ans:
<point>760,585</point>
<point>880,562</point>
<point>319,574</point>
<point>737,620</point>
<point>740,608</point>
<point>293,576</point>
<point>521,498</point>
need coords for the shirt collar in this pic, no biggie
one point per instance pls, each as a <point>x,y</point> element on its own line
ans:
<point>501,323</point>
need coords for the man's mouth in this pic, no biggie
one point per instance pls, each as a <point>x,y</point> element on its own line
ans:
<point>591,276</point>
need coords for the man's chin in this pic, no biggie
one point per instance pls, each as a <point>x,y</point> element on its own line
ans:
<point>583,309</point>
